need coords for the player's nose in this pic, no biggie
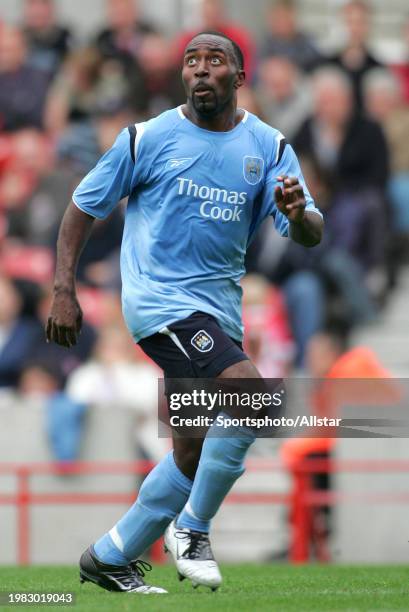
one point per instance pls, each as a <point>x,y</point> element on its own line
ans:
<point>201,69</point>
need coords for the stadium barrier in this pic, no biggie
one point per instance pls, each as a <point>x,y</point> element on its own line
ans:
<point>24,498</point>
<point>305,498</point>
<point>301,500</point>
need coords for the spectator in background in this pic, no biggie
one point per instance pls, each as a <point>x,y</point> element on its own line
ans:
<point>38,380</point>
<point>74,93</point>
<point>214,18</point>
<point>48,42</point>
<point>88,85</point>
<point>18,334</point>
<point>33,191</point>
<point>163,83</point>
<point>123,37</point>
<point>284,96</point>
<point>118,376</point>
<point>349,155</point>
<point>384,102</point>
<point>351,152</point>
<point>23,88</point>
<point>317,284</point>
<point>121,43</point>
<point>354,58</point>
<point>284,39</point>
<point>349,158</point>
<point>64,419</point>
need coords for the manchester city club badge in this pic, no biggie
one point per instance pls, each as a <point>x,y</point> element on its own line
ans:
<point>253,169</point>
<point>202,341</point>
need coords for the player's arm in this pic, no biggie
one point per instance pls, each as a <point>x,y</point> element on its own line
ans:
<point>305,227</point>
<point>65,319</point>
<point>297,216</point>
<point>95,197</point>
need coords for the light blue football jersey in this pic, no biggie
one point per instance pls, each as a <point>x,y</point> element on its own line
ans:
<point>196,198</point>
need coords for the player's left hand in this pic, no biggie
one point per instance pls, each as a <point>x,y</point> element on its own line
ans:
<point>290,199</point>
<point>65,320</point>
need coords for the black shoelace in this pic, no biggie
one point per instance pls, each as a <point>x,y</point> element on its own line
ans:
<point>199,547</point>
<point>140,567</point>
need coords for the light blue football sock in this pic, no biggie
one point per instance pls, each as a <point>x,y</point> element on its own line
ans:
<point>162,496</point>
<point>221,464</point>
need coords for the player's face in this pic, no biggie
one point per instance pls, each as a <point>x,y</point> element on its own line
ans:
<point>210,74</point>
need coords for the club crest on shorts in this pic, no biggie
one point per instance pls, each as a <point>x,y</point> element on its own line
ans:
<point>202,341</point>
<point>253,169</point>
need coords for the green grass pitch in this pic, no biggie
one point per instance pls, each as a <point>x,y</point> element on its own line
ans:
<point>249,587</point>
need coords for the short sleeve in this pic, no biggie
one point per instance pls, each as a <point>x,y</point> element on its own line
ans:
<point>110,181</point>
<point>286,164</point>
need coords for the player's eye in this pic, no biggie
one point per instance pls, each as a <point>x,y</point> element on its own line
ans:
<point>191,61</point>
<point>216,61</point>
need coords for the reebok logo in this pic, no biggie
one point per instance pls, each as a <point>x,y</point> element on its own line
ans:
<point>171,164</point>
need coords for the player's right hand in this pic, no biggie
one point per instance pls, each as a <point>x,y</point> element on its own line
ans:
<point>65,320</point>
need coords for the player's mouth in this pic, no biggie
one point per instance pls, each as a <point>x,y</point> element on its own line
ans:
<point>201,91</point>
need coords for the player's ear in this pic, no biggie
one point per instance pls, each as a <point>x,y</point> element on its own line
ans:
<point>240,78</point>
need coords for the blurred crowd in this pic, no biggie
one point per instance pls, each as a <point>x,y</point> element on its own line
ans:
<point>62,103</point>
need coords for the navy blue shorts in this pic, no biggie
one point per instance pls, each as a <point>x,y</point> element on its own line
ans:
<point>195,347</point>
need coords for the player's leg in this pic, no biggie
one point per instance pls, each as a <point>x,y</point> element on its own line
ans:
<point>214,355</point>
<point>161,497</point>
<point>221,464</point>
